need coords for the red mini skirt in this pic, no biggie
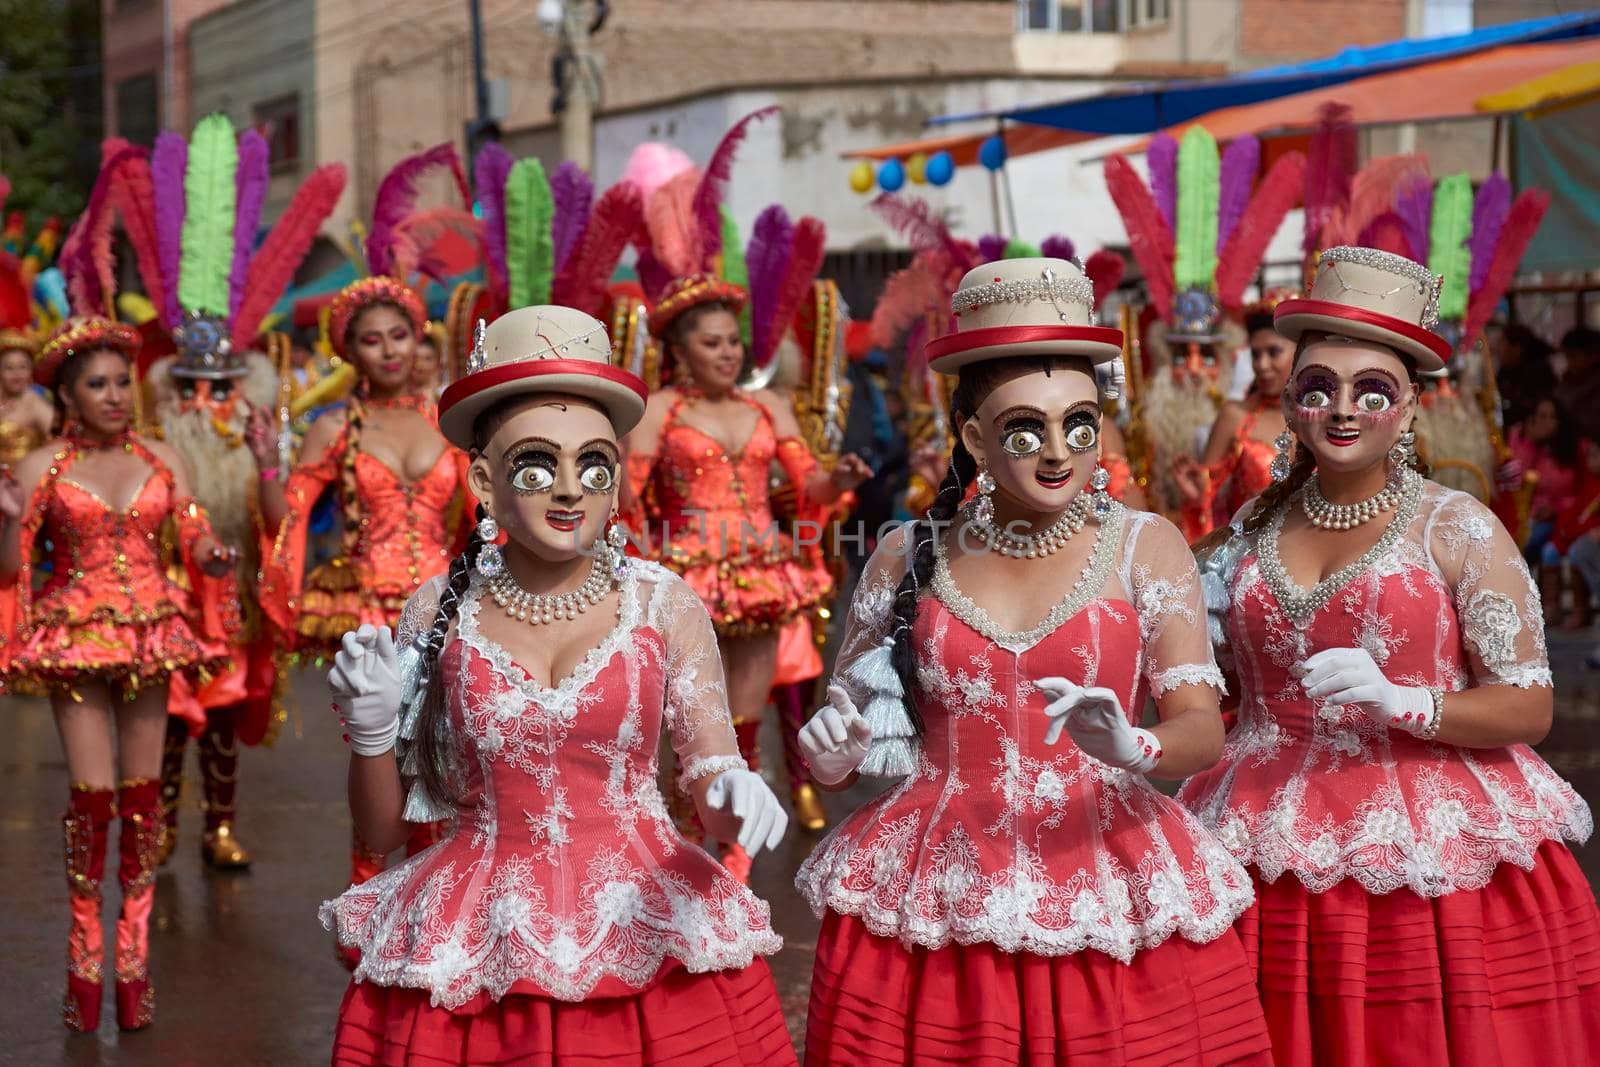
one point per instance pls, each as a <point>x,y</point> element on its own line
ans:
<point>875,1003</point>
<point>683,1020</point>
<point>1504,976</point>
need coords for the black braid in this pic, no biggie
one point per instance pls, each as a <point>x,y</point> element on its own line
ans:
<point>433,720</point>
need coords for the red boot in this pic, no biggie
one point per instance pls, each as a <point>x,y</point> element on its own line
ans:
<point>173,750</point>
<point>143,826</point>
<point>86,823</point>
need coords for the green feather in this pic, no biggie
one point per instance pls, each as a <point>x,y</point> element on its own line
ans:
<point>1449,256</point>
<point>734,269</point>
<point>1194,262</point>
<point>208,189</point>
<point>1016,249</point>
<point>530,250</point>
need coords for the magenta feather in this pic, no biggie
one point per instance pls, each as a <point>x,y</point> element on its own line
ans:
<point>1058,246</point>
<point>654,277</point>
<point>573,192</point>
<point>250,185</point>
<point>1161,156</point>
<point>1387,234</point>
<point>615,222</point>
<point>1521,223</point>
<point>1414,207</point>
<point>1331,166</point>
<point>991,246</point>
<point>1240,162</point>
<point>86,256</point>
<point>167,166</point>
<point>926,232</point>
<point>708,194</point>
<point>805,260</point>
<point>771,242</point>
<point>397,198</point>
<point>491,169</point>
<point>1489,212</point>
<point>134,198</point>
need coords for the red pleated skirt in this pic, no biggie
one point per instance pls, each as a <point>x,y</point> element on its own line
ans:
<point>875,1003</point>
<point>683,1020</point>
<point>1504,976</point>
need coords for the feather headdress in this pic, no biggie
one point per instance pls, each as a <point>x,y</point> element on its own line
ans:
<point>397,199</point>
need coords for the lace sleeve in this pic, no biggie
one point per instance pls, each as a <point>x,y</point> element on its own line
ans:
<point>863,668</point>
<point>416,620</point>
<point>1165,587</point>
<point>1497,604</point>
<point>696,711</point>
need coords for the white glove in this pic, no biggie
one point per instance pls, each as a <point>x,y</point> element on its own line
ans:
<point>748,798</point>
<point>1098,725</point>
<point>1340,676</point>
<point>836,739</point>
<point>365,681</point>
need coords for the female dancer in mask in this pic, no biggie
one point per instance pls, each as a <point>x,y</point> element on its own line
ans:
<point>564,920</point>
<point>1416,900</point>
<point>1024,895</point>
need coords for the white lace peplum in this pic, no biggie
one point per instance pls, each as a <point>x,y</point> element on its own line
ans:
<point>997,837</point>
<point>1443,599</point>
<point>564,875</point>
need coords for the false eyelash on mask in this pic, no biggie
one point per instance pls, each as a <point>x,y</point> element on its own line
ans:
<point>1314,383</point>
<point>1382,386</point>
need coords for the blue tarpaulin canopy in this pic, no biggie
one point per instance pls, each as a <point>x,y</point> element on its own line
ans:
<point>1150,106</point>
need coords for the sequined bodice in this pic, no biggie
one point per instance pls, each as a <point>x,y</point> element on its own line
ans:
<point>107,561</point>
<point>698,481</point>
<point>404,537</point>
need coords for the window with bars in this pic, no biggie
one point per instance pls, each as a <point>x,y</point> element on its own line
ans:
<point>1091,16</point>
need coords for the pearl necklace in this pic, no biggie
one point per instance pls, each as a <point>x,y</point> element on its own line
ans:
<point>536,608</point>
<point>1035,546</point>
<point>1327,515</point>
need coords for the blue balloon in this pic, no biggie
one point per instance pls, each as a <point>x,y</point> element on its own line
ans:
<point>891,176</point>
<point>992,153</point>
<point>940,169</point>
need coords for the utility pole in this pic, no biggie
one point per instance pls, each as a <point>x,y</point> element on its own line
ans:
<point>576,72</point>
<point>476,127</point>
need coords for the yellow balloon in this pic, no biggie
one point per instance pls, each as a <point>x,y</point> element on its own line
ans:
<point>917,168</point>
<point>861,179</point>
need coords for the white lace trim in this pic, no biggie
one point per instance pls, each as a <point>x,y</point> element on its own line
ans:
<point>698,767</point>
<point>1164,682</point>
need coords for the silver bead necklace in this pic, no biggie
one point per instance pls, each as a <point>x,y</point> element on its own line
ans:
<point>537,608</point>
<point>1327,515</point>
<point>1034,546</point>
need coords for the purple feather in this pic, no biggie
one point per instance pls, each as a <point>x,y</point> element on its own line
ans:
<point>1058,246</point>
<point>573,191</point>
<point>767,261</point>
<point>1162,157</point>
<point>991,246</point>
<point>1414,206</point>
<point>491,170</point>
<point>397,199</point>
<point>167,167</point>
<point>1489,213</point>
<point>1240,161</point>
<point>250,185</point>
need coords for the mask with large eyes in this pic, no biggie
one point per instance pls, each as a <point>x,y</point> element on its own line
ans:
<point>1083,434</point>
<point>1374,396</point>
<point>1022,438</point>
<point>532,471</point>
<point>1315,392</point>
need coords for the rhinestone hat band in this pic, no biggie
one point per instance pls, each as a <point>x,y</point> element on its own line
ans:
<point>478,359</point>
<point>1049,286</point>
<point>1426,281</point>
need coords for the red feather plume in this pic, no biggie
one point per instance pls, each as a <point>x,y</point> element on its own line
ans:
<point>1372,193</point>
<point>614,224</point>
<point>805,260</point>
<point>1149,236</point>
<point>286,246</point>
<point>1330,168</point>
<point>134,197</point>
<point>397,199</point>
<point>707,201</point>
<point>675,236</point>
<point>416,238</point>
<point>926,232</point>
<point>1105,269</point>
<point>909,296</point>
<point>86,260</point>
<point>1527,211</point>
<point>1278,192</point>
<point>1387,233</point>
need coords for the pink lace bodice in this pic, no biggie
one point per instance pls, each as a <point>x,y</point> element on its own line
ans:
<point>1443,599</point>
<point>997,837</point>
<point>564,875</point>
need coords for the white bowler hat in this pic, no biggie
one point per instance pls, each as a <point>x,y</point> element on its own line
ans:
<point>1371,295</point>
<point>540,349</point>
<point>1024,307</point>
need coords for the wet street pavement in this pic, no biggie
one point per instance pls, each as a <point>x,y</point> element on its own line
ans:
<point>244,974</point>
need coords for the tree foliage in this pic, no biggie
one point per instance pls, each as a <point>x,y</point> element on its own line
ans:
<point>50,109</point>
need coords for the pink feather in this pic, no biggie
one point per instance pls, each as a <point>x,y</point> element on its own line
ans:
<point>87,261</point>
<point>1105,269</point>
<point>1149,236</point>
<point>805,260</point>
<point>908,297</point>
<point>1522,222</point>
<point>708,196</point>
<point>274,265</point>
<point>397,198</point>
<point>675,235</point>
<point>925,231</point>
<point>1278,193</point>
<point>652,165</point>
<point>613,225</point>
<point>250,183</point>
<point>1372,193</point>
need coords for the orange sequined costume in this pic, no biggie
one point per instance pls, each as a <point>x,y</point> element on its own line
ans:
<point>1232,481</point>
<point>109,610</point>
<point>709,518</point>
<point>397,536</point>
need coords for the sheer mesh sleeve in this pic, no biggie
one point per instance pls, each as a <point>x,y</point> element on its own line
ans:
<point>1165,586</point>
<point>416,618</point>
<point>1497,604</point>
<point>863,668</point>
<point>697,717</point>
